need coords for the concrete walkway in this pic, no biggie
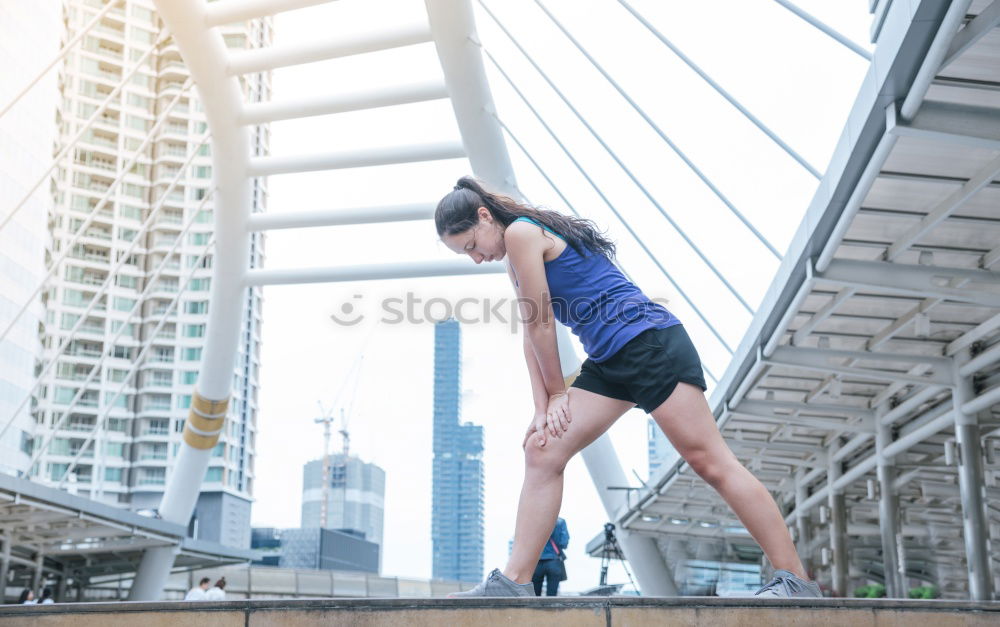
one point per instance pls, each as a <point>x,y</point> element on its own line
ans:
<point>575,611</point>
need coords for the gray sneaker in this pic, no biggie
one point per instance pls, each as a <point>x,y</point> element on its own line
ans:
<point>497,585</point>
<point>786,584</point>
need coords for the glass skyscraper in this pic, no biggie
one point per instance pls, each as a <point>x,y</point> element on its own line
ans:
<point>457,507</point>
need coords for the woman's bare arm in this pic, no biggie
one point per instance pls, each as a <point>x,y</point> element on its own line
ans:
<point>538,392</point>
<point>524,252</point>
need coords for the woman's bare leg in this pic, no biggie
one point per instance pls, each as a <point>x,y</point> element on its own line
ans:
<point>689,424</point>
<point>541,493</point>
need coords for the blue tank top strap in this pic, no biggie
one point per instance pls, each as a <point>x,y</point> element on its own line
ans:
<point>537,223</point>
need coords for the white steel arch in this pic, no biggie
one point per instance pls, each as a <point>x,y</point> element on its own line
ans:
<point>215,73</point>
<point>927,392</point>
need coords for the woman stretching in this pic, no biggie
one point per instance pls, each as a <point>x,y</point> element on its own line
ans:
<point>638,354</point>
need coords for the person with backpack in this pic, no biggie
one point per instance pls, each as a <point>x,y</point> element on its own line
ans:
<point>551,568</point>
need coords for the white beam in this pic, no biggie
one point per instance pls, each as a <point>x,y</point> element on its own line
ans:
<point>274,57</point>
<point>909,280</point>
<point>271,111</point>
<point>983,330</point>
<point>812,409</point>
<point>811,422</point>
<point>945,208</point>
<point>453,30</point>
<point>858,195</point>
<point>339,217</point>
<point>900,323</point>
<point>818,361</point>
<point>931,64</point>
<point>910,405</point>
<point>818,456</point>
<point>102,547</point>
<point>821,356</point>
<point>990,259</point>
<point>786,319</point>
<point>962,125</point>
<point>986,399</point>
<point>267,166</point>
<point>824,312</point>
<point>986,358</point>
<point>229,11</point>
<point>373,272</point>
<point>987,20</point>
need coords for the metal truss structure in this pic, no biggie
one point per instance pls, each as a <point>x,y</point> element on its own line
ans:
<point>50,533</point>
<point>864,393</point>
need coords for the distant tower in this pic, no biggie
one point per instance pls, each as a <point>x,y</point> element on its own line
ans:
<point>457,504</point>
<point>340,491</point>
<point>355,497</point>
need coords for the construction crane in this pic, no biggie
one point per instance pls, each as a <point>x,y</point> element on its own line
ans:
<point>326,419</point>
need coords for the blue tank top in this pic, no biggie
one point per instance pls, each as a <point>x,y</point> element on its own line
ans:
<point>599,305</point>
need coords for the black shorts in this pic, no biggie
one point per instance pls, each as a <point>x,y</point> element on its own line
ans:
<point>646,370</point>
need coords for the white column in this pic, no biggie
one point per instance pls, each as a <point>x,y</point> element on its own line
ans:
<point>971,485</point>
<point>641,551</point>
<point>205,55</point>
<point>4,565</point>
<point>888,509</point>
<point>802,523</point>
<point>37,578</point>
<point>838,531</point>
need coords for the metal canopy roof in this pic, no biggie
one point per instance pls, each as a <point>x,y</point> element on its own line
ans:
<point>888,295</point>
<point>81,538</point>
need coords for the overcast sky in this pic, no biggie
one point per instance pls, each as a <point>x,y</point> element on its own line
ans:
<point>797,80</point>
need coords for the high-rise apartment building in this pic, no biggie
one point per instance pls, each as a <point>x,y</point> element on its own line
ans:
<point>457,504</point>
<point>126,308</point>
<point>355,496</point>
<point>29,38</point>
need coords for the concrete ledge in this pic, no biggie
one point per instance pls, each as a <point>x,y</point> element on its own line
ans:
<point>575,611</point>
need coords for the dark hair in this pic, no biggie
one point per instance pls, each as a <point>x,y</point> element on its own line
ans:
<point>24,596</point>
<point>221,583</point>
<point>203,581</point>
<point>457,213</point>
<point>46,593</point>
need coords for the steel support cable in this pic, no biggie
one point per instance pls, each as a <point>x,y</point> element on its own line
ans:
<point>62,53</point>
<point>680,153</point>
<point>100,420</point>
<point>620,163</point>
<point>86,127</point>
<point>552,184</point>
<point>828,30</point>
<point>111,273</point>
<point>97,367</point>
<point>93,212</point>
<point>722,92</point>
<point>600,193</point>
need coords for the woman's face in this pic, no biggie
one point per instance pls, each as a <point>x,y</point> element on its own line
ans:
<point>483,242</point>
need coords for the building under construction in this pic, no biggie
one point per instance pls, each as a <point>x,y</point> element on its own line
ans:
<point>355,497</point>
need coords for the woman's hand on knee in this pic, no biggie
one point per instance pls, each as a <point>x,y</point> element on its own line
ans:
<point>536,429</point>
<point>557,417</point>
